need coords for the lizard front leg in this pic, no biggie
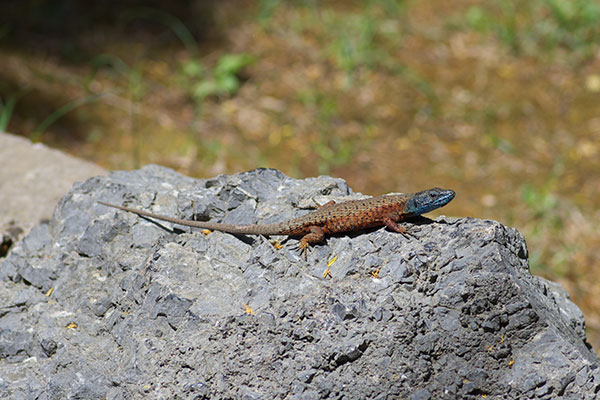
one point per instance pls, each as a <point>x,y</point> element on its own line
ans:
<point>392,225</point>
<point>329,203</point>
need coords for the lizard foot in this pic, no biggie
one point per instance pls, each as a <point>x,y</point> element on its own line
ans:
<point>409,234</point>
<point>303,247</point>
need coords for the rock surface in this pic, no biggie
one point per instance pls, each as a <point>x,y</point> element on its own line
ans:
<point>100,303</point>
<point>33,178</point>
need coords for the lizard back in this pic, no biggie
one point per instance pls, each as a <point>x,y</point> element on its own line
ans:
<point>349,215</point>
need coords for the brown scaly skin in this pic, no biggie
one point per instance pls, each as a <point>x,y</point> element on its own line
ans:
<point>331,218</point>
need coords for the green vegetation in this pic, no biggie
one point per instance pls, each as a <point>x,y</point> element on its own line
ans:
<point>60,112</point>
<point>6,111</point>
<point>222,80</point>
<point>170,21</point>
<point>543,208</point>
<point>266,9</point>
<point>540,27</point>
<point>353,43</point>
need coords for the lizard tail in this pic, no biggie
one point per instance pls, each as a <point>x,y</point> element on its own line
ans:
<point>266,229</point>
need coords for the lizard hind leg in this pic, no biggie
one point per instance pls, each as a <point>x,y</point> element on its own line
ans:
<point>316,235</point>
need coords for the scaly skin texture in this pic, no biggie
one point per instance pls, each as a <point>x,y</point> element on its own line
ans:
<point>332,217</point>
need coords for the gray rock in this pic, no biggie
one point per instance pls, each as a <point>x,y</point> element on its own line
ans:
<point>33,178</point>
<point>143,308</point>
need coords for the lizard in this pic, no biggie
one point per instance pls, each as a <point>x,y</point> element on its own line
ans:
<point>330,218</point>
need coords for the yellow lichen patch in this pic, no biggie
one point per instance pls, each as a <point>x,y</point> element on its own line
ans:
<point>330,263</point>
<point>248,309</point>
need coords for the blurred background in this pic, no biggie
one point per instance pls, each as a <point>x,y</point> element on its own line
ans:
<point>497,100</point>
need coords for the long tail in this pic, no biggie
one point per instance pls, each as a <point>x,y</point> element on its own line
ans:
<point>267,229</point>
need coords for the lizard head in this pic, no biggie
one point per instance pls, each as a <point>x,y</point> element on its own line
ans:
<point>428,200</point>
